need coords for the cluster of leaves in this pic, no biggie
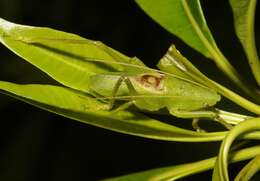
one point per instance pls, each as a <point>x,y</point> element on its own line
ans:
<point>71,60</point>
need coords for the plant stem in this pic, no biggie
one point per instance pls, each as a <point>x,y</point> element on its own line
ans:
<point>246,104</point>
<point>220,60</point>
<point>244,127</point>
<point>204,165</point>
<point>191,71</point>
<point>249,170</point>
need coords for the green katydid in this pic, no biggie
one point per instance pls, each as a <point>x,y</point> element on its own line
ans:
<point>154,90</point>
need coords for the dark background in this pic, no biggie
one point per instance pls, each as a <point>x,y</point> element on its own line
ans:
<point>36,145</point>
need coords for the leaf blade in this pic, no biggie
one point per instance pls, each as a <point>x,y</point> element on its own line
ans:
<point>84,108</point>
<point>172,15</point>
<point>244,19</point>
<point>68,58</point>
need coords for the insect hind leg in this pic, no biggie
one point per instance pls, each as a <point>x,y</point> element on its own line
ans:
<point>195,125</point>
<point>122,79</point>
<point>201,114</point>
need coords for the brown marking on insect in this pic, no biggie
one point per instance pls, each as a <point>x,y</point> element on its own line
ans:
<point>151,81</point>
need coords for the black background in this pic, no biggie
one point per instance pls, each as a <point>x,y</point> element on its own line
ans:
<point>37,145</point>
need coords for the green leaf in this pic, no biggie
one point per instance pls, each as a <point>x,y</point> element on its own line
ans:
<point>244,19</point>
<point>67,58</point>
<point>180,171</point>
<point>184,19</point>
<point>221,166</point>
<point>84,108</point>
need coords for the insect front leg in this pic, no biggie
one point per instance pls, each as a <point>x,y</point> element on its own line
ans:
<point>123,79</point>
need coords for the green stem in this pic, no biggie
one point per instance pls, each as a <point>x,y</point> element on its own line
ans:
<point>246,104</point>
<point>204,165</point>
<point>191,71</point>
<point>244,127</point>
<point>220,60</point>
<point>249,170</point>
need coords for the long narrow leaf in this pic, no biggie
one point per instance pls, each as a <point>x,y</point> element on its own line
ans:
<point>84,108</point>
<point>171,15</point>
<point>68,58</point>
<point>244,20</point>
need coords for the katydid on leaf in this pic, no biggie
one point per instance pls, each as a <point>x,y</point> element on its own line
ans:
<point>152,90</point>
<point>147,89</point>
